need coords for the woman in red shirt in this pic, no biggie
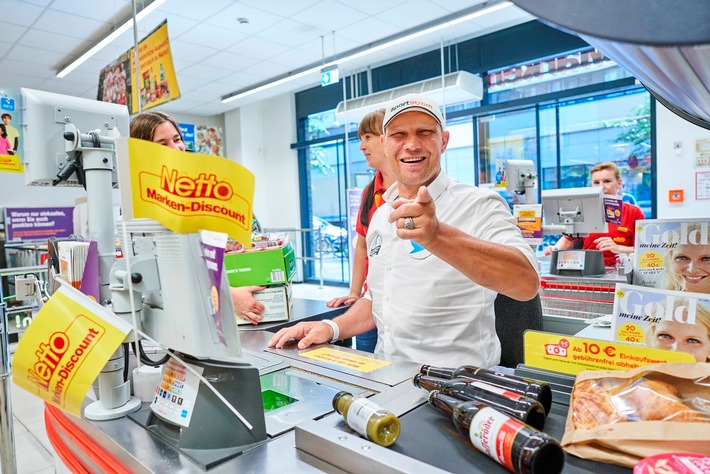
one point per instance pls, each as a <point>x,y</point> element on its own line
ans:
<point>619,238</point>
<point>371,146</point>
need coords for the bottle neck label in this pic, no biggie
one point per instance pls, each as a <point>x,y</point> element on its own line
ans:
<point>359,413</point>
<point>493,433</point>
<point>500,391</point>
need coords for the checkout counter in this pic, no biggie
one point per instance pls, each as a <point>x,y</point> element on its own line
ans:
<point>306,435</point>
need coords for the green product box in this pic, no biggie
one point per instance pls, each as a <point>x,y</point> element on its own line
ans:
<point>261,267</point>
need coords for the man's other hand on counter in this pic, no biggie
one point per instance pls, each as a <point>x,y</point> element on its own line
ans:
<point>305,333</point>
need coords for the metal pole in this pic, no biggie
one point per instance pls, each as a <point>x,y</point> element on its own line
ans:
<point>7,435</point>
<point>136,80</point>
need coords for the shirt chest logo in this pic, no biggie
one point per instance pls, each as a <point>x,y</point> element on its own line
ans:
<point>376,245</point>
<point>415,251</point>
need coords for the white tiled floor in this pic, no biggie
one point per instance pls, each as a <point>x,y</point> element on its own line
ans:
<point>34,453</point>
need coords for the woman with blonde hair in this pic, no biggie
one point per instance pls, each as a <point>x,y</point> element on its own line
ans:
<point>369,131</point>
<point>683,337</point>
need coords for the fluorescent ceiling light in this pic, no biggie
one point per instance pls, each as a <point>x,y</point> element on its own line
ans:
<point>108,39</point>
<point>377,46</point>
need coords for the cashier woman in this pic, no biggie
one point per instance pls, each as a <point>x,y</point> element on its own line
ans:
<point>161,128</point>
<point>439,252</point>
<point>620,238</point>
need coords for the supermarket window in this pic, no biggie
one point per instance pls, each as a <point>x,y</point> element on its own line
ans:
<point>611,127</point>
<point>505,136</point>
<point>458,161</point>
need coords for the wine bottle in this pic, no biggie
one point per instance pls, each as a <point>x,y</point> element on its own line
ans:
<point>515,445</point>
<point>367,418</point>
<point>523,408</point>
<point>540,391</point>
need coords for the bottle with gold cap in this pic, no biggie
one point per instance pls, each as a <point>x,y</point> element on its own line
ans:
<point>367,418</point>
<point>511,443</point>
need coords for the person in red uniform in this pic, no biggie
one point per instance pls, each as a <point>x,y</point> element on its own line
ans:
<point>371,146</point>
<point>619,238</point>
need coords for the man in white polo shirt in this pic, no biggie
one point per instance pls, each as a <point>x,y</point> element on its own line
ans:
<point>439,251</point>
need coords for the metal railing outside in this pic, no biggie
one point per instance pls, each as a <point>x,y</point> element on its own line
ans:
<point>298,237</point>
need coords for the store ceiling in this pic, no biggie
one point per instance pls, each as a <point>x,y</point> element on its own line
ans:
<point>213,52</point>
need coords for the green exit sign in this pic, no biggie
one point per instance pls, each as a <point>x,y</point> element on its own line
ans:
<point>329,76</point>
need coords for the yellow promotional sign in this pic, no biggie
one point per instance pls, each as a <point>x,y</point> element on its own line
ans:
<point>62,352</point>
<point>157,82</point>
<point>183,191</point>
<point>571,355</point>
<point>346,359</point>
<point>11,164</point>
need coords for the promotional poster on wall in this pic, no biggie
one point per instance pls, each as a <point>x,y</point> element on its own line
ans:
<point>10,136</point>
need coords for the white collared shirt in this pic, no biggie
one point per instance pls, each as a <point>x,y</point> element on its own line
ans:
<point>425,310</point>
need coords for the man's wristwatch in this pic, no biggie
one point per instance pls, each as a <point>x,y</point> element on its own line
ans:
<point>336,329</point>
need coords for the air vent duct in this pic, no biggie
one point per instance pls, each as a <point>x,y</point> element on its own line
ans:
<point>456,88</point>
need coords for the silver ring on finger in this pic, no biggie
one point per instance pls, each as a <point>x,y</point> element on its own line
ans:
<point>409,223</point>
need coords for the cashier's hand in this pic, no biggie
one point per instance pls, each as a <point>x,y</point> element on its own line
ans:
<point>245,305</point>
<point>342,301</point>
<point>305,333</point>
<point>605,243</point>
<point>423,212</point>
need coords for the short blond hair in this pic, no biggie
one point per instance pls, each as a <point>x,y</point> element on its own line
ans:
<point>606,165</point>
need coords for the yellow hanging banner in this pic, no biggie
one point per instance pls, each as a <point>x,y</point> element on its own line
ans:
<point>157,82</point>
<point>62,352</point>
<point>183,191</point>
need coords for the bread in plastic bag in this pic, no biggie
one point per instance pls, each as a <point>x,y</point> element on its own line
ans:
<point>624,416</point>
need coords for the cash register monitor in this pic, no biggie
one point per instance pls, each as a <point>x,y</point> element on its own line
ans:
<point>576,211</point>
<point>43,126</point>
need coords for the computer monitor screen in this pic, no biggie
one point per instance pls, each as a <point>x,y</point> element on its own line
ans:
<point>43,125</point>
<point>579,210</point>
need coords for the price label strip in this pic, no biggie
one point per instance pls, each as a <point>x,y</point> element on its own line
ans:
<point>572,355</point>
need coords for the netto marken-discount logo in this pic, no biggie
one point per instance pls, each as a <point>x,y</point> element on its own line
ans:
<point>51,360</point>
<point>204,186</point>
<point>186,194</point>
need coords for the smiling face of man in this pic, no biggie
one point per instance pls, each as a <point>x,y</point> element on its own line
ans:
<point>414,142</point>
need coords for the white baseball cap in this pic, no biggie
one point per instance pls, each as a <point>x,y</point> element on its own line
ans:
<point>412,103</point>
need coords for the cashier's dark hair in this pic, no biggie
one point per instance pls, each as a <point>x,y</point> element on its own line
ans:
<point>143,125</point>
<point>370,124</point>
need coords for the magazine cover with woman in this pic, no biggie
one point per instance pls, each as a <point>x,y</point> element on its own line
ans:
<point>673,254</point>
<point>663,319</point>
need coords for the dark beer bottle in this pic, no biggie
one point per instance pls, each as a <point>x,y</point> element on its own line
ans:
<point>523,408</point>
<point>367,418</point>
<point>515,445</point>
<point>540,391</point>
